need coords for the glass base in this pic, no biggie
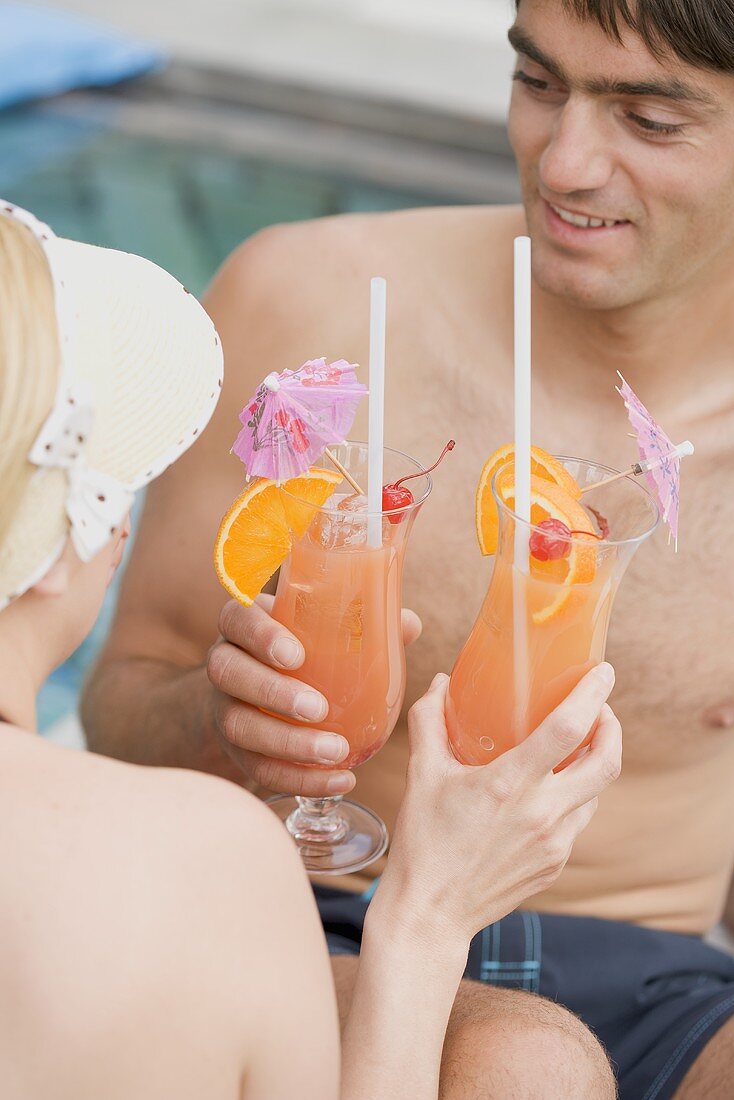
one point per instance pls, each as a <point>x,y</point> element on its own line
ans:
<point>334,836</point>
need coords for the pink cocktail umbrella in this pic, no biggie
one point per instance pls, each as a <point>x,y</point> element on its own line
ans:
<point>296,416</point>
<point>659,458</point>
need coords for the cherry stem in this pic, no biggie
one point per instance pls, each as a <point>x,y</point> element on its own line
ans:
<point>449,447</point>
<point>592,533</point>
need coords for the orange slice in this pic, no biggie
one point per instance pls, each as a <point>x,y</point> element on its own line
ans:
<point>550,501</point>
<point>542,465</point>
<point>256,535</point>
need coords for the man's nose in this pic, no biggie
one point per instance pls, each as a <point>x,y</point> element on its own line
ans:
<point>578,156</point>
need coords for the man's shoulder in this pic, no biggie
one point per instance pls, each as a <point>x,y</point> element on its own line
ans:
<point>414,224</point>
<point>342,249</point>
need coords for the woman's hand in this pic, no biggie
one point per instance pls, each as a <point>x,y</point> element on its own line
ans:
<point>472,843</point>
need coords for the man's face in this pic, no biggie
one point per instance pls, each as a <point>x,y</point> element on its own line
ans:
<point>603,130</point>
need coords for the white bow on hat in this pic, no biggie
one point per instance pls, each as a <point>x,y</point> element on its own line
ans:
<point>96,503</point>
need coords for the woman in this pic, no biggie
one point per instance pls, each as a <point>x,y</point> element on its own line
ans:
<point>139,967</point>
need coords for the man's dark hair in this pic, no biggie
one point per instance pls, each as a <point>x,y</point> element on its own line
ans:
<point>700,32</point>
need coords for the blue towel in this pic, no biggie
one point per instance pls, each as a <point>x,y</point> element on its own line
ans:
<point>44,51</point>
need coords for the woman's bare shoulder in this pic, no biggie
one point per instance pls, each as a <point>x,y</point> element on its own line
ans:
<point>161,855</point>
<point>155,903</point>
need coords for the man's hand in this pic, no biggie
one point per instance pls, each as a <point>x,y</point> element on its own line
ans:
<point>246,667</point>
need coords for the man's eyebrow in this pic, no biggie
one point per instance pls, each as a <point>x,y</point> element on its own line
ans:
<point>523,43</point>
<point>661,89</point>
<point>673,88</point>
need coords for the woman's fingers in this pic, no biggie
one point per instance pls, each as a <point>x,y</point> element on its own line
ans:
<point>600,765</point>
<point>427,724</point>
<point>566,727</point>
<point>578,820</point>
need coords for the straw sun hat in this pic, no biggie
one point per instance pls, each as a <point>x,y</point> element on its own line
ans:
<point>139,377</point>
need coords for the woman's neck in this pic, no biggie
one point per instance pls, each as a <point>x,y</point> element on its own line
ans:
<point>22,671</point>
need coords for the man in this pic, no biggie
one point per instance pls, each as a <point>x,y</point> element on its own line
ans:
<point>622,122</point>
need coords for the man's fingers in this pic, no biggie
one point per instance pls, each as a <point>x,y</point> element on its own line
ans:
<point>567,726</point>
<point>412,627</point>
<point>286,778</point>
<point>600,765</point>
<point>235,673</point>
<point>427,723</point>
<point>257,633</point>
<point>248,728</point>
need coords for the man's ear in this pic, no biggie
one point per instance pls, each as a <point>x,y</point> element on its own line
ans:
<point>55,582</point>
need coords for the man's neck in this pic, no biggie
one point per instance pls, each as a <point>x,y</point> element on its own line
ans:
<point>668,342</point>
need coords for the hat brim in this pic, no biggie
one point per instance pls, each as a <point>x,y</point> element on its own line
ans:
<point>148,354</point>
<point>147,351</point>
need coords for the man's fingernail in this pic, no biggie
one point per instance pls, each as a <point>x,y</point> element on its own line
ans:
<point>339,784</point>
<point>287,652</point>
<point>330,748</point>
<point>605,672</point>
<point>311,706</point>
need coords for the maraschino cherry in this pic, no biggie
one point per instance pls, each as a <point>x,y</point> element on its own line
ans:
<point>551,540</point>
<point>396,496</point>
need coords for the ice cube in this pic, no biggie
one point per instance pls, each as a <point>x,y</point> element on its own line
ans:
<point>358,503</point>
<point>331,532</point>
<point>353,503</point>
<point>302,605</point>
<point>346,524</point>
<point>353,625</point>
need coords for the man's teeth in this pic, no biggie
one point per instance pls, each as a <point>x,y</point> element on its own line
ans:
<point>581,220</point>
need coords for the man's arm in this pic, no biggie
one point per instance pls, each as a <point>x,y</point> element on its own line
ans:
<point>150,699</point>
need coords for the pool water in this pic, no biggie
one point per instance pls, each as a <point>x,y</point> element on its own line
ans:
<point>183,205</point>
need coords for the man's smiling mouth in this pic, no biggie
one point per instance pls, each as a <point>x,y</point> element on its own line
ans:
<point>584,221</point>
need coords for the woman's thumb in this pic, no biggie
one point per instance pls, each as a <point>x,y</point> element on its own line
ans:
<point>427,720</point>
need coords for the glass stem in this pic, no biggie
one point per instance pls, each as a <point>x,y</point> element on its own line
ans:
<point>318,821</point>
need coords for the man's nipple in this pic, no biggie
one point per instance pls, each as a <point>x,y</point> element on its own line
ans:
<point>720,717</point>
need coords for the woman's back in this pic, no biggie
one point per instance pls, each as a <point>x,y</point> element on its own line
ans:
<point>155,937</point>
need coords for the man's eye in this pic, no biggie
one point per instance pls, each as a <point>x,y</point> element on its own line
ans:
<point>650,126</point>
<point>531,81</point>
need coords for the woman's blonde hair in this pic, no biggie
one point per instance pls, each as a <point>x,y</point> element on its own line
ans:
<point>29,358</point>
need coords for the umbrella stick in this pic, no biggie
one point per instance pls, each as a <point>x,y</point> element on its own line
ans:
<point>344,472</point>
<point>636,470</point>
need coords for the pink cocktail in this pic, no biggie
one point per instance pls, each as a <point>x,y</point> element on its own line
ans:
<point>563,628</point>
<point>340,595</point>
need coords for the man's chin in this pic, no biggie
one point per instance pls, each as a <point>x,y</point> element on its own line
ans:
<point>583,285</point>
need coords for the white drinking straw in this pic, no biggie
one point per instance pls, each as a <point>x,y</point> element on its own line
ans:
<point>376,437</point>
<point>522,395</point>
<point>522,475</point>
